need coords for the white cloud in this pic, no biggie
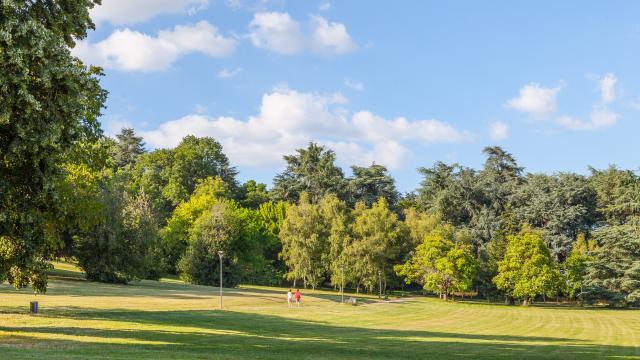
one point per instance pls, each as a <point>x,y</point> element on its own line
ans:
<point>535,100</point>
<point>599,118</point>
<point>227,74</point>
<point>127,12</point>
<point>131,50</point>
<point>352,84</point>
<point>498,130</point>
<point>330,38</point>
<point>278,32</point>
<point>607,88</point>
<point>324,6</point>
<point>289,119</point>
<point>376,128</point>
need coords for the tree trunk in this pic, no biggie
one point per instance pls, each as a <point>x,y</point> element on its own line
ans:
<point>294,282</point>
<point>525,301</point>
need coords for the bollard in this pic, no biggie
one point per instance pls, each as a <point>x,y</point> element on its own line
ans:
<point>33,307</point>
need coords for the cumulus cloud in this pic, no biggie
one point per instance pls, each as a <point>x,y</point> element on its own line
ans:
<point>227,74</point>
<point>277,32</point>
<point>280,33</point>
<point>607,88</point>
<point>131,50</point>
<point>498,130</point>
<point>535,100</point>
<point>289,119</point>
<point>127,12</point>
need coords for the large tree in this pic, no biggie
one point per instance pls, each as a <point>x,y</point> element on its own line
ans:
<point>127,148</point>
<point>368,184</point>
<point>49,101</point>
<point>311,170</point>
<point>442,263</point>
<point>378,236</point>
<point>613,273</point>
<point>304,242</point>
<point>527,269</point>
<point>563,206</point>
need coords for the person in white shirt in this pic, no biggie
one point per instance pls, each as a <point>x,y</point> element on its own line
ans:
<point>289,298</point>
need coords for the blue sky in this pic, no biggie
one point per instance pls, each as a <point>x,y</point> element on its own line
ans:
<point>403,84</point>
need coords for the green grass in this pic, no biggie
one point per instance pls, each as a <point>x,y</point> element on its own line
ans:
<point>169,319</point>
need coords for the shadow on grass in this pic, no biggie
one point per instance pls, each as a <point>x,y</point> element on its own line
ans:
<point>229,334</point>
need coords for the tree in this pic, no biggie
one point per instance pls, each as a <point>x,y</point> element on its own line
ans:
<point>49,102</point>
<point>563,206</point>
<point>420,225</point>
<point>151,175</point>
<point>337,219</point>
<point>442,263</point>
<point>118,248</point>
<point>311,170</point>
<point>368,184</point>
<point>192,160</point>
<point>174,235</point>
<point>575,267</point>
<point>618,194</point>
<point>128,148</point>
<point>613,273</point>
<point>527,269</point>
<point>378,236</point>
<point>253,194</point>
<point>226,227</point>
<point>304,242</point>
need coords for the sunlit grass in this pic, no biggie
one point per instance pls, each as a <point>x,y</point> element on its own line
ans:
<point>169,319</point>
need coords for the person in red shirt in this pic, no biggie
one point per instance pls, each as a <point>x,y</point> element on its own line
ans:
<point>298,297</point>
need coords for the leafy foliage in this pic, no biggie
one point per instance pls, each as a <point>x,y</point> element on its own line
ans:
<point>48,102</point>
<point>442,263</point>
<point>527,269</point>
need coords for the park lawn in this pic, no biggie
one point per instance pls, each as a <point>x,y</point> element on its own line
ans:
<point>173,320</point>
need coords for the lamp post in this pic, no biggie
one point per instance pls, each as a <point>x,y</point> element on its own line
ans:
<point>221,254</point>
<point>342,283</point>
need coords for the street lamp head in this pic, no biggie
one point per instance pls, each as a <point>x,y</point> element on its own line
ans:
<point>221,253</point>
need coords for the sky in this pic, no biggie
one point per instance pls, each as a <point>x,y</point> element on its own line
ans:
<point>403,84</point>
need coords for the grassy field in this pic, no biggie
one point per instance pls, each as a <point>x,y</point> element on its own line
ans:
<point>168,319</point>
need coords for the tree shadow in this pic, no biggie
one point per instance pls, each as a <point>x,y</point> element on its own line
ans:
<point>229,334</point>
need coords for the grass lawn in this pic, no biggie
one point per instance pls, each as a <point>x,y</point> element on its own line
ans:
<point>172,320</point>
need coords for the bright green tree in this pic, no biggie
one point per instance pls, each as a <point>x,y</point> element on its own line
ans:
<point>527,269</point>
<point>222,227</point>
<point>304,242</point>
<point>174,235</point>
<point>575,267</point>
<point>378,236</point>
<point>337,219</point>
<point>442,263</point>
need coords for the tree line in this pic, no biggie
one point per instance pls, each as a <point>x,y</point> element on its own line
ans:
<point>125,213</point>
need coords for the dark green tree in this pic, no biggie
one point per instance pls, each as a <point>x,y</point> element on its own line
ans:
<point>368,184</point>
<point>127,149</point>
<point>49,102</point>
<point>613,273</point>
<point>311,170</point>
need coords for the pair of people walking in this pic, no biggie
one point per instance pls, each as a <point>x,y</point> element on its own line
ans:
<point>291,296</point>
